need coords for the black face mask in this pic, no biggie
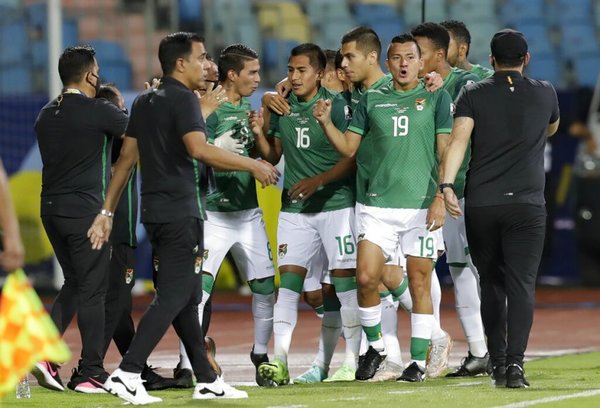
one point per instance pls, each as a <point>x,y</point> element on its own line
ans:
<point>97,84</point>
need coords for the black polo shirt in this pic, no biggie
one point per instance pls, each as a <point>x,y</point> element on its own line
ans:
<point>74,138</point>
<point>511,115</point>
<point>125,219</point>
<point>170,177</point>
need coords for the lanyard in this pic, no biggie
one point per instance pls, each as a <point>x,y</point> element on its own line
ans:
<point>66,92</point>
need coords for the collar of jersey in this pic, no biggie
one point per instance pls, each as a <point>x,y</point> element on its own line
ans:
<point>416,89</point>
<point>319,95</point>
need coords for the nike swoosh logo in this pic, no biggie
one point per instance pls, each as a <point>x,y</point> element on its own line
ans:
<point>97,383</point>
<point>208,391</point>
<point>132,392</point>
<point>51,370</point>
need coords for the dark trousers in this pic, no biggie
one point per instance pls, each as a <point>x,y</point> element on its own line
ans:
<point>506,244</point>
<point>178,247</point>
<point>84,290</point>
<point>119,324</point>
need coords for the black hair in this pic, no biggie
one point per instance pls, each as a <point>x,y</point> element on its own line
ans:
<point>330,57</point>
<point>338,59</point>
<point>315,54</point>
<point>175,46</point>
<point>460,32</point>
<point>74,62</point>
<point>366,39</point>
<point>437,34</point>
<point>233,58</point>
<point>109,92</point>
<point>402,39</point>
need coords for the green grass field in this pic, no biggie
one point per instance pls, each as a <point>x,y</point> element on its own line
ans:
<point>568,381</point>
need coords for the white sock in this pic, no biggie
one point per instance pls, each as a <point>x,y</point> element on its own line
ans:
<point>285,316</point>
<point>389,330</point>
<point>262,310</point>
<point>184,361</point>
<point>437,334</point>
<point>421,327</point>
<point>351,324</point>
<point>331,328</point>
<point>369,317</point>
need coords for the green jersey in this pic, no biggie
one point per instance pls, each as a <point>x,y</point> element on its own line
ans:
<point>481,72</point>
<point>362,155</point>
<point>308,152</point>
<point>453,84</point>
<point>400,130</point>
<point>235,190</point>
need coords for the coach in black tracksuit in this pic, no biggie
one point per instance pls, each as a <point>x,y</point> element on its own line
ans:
<point>507,118</point>
<point>74,133</point>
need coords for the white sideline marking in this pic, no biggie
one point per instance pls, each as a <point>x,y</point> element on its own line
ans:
<point>466,384</point>
<point>287,406</point>
<point>583,394</point>
<point>348,399</point>
<point>400,392</point>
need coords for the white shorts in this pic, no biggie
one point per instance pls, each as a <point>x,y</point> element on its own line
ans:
<point>439,236</point>
<point>455,235</point>
<point>317,272</point>
<point>301,236</point>
<point>242,232</point>
<point>393,228</point>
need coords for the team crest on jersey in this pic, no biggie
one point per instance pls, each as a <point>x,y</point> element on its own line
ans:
<point>347,112</point>
<point>282,250</point>
<point>205,254</point>
<point>128,275</point>
<point>420,104</point>
<point>155,263</point>
<point>198,265</point>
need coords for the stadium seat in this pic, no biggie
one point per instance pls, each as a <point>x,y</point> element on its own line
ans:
<point>371,14</point>
<point>117,72</point>
<point>276,51</point>
<point>537,37</point>
<point>570,11</point>
<point>587,68</point>
<point>15,79</point>
<point>481,35</point>
<point>14,42</point>
<point>470,11</point>
<point>108,51</point>
<point>578,39</point>
<point>435,10</point>
<point>331,33</point>
<point>190,11</point>
<point>544,67</point>
<point>515,12</point>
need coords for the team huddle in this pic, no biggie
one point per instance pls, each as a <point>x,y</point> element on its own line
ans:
<point>362,218</point>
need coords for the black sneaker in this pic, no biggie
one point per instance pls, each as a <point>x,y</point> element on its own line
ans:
<point>499,376</point>
<point>87,384</point>
<point>183,377</point>
<point>472,366</point>
<point>412,373</point>
<point>515,377</point>
<point>47,376</point>
<point>154,381</point>
<point>369,364</point>
<point>258,359</point>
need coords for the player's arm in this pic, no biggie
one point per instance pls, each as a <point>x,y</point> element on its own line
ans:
<point>100,230</point>
<point>345,143</point>
<point>307,187</point>
<point>269,148</point>
<point>12,253</point>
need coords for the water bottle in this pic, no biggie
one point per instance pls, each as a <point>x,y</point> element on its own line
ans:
<point>23,389</point>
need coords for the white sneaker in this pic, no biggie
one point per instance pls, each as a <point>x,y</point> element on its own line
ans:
<point>217,389</point>
<point>388,371</point>
<point>130,387</point>
<point>437,363</point>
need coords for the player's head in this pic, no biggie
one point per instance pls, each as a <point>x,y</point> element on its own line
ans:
<point>509,49</point>
<point>460,41</point>
<point>433,40</point>
<point>404,60</point>
<point>330,78</point>
<point>239,66</point>
<point>77,65</point>
<point>306,66</point>
<point>183,56</point>
<point>361,49</point>
<point>111,93</point>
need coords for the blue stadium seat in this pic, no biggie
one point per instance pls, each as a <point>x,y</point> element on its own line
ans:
<point>386,31</point>
<point>108,51</point>
<point>332,32</point>
<point>470,11</point>
<point>544,67</point>
<point>587,68</point>
<point>537,37</point>
<point>14,42</point>
<point>249,34</point>
<point>435,10</point>
<point>39,47</point>
<point>319,11</point>
<point>118,72</point>
<point>521,11</point>
<point>190,11</point>
<point>573,10</point>
<point>481,34</point>
<point>578,39</point>
<point>275,50</point>
<point>372,14</point>
<point>15,79</point>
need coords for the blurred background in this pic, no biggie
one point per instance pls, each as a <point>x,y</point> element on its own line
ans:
<point>563,38</point>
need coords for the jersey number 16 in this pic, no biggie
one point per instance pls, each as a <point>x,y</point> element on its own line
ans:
<point>302,138</point>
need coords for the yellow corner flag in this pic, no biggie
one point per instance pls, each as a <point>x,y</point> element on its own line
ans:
<point>27,334</point>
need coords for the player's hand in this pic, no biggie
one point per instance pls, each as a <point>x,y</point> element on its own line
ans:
<point>452,204</point>
<point>436,214</point>
<point>227,142</point>
<point>256,121</point>
<point>265,173</point>
<point>276,103</point>
<point>99,232</point>
<point>433,81</point>
<point>155,84</point>
<point>12,257</point>
<point>322,112</point>
<point>305,188</point>
<point>283,87</point>
<point>212,99</point>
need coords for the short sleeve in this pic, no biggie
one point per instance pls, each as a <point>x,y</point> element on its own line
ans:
<point>443,113</point>
<point>555,110</point>
<point>187,115</point>
<point>463,104</point>
<point>340,113</point>
<point>274,125</point>
<point>360,119</point>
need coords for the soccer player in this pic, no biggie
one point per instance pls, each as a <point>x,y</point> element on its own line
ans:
<point>433,40</point>
<point>402,125</point>
<point>317,209</point>
<point>234,220</point>
<point>458,49</point>
<point>166,129</point>
<point>331,78</point>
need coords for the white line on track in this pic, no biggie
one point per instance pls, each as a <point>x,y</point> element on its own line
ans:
<point>531,403</point>
<point>466,384</point>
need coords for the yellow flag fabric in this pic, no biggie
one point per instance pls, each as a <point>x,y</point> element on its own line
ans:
<point>27,333</point>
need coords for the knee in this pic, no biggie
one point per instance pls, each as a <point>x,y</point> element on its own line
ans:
<point>367,279</point>
<point>314,298</point>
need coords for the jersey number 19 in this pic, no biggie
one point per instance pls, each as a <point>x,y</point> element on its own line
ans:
<point>400,125</point>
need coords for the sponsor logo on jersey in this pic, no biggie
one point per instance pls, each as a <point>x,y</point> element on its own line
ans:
<point>198,265</point>
<point>128,275</point>
<point>282,250</point>
<point>347,112</point>
<point>205,254</point>
<point>386,105</point>
<point>420,103</point>
<point>230,118</point>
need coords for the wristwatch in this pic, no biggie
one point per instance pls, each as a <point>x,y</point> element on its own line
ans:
<point>106,213</point>
<point>444,185</point>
